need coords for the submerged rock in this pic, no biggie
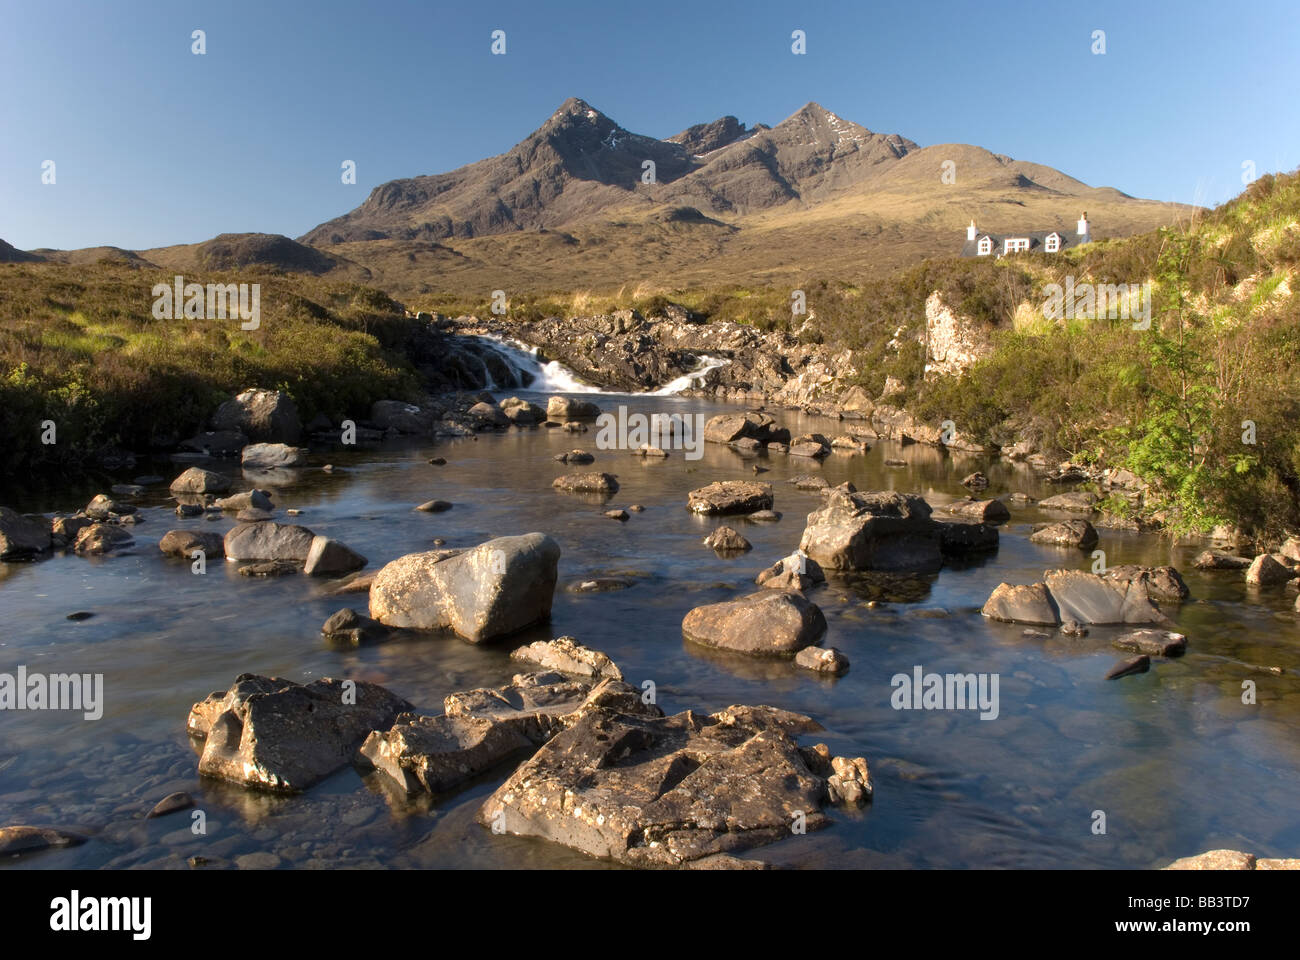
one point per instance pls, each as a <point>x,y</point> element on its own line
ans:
<point>274,734</point>
<point>1066,595</point>
<point>353,629</point>
<point>1129,667</point>
<point>602,483</point>
<point>726,540</point>
<point>20,838</point>
<point>983,511</point>
<point>183,543</point>
<point>1218,560</point>
<point>497,588</point>
<point>767,623</point>
<point>1156,643</point>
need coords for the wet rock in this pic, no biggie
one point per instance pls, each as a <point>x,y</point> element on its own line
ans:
<point>727,540</point>
<point>351,628</point>
<point>64,530</point>
<point>599,585</point>
<point>1073,628</point>
<point>730,496</point>
<point>399,417</point>
<point>636,508</point>
<point>768,623</point>
<point>495,589</point>
<point>895,463</point>
<point>847,444</point>
<point>272,456</point>
<point>1022,603</point>
<point>1066,533</point>
<point>1129,667</point>
<point>812,445</point>
<point>269,541</point>
<point>1076,501</point>
<point>1219,560</point>
<point>184,510</point>
<point>764,516</point>
<point>487,414</point>
<point>975,481</point>
<point>248,500</point>
<point>574,426</point>
<point>183,543</point>
<point>647,452</point>
<point>807,481</point>
<point>438,461</point>
<point>963,538</point>
<point>270,568</point>
<point>24,839</point>
<point>481,728</point>
<point>1271,863</point>
<point>277,735</point>
<point>198,480</point>
<point>265,416</point>
<point>216,443</point>
<point>1216,860</point>
<point>1072,595</point>
<point>1266,570</point>
<point>600,483</point>
<point>1290,550</point>
<point>79,616</point>
<point>521,412</point>
<point>566,655</point>
<point>101,538</point>
<point>1157,643</point>
<point>22,538</point>
<point>172,803</point>
<point>575,456</point>
<point>106,508</point>
<point>982,511</point>
<point>570,409</point>
<point>1162,583</point>
<point>434,506</point>
<point>873,531</point>
<point>746,446</point>
<point>616,514</point>
<point>822,660</point>
<point>794,572</point>
<point>330,558</point>
<point>729,427</point>
<point>850,781</point>
<point>664,791</point>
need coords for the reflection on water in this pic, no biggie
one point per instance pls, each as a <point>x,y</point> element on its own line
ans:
<point>1174,758</point>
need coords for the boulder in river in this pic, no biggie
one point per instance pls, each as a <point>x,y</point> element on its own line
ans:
<point>730,496</point>
<point>664,791</point>
<point>22,538</point>
<point>1155,643</point>
<point>106,508</point>
<point>101,538</point>
<point>873,531</point>
<point>479,729</point>
<point>521,412</point>
<point>277,735</point>
<point>570,410</point>
<point>726,540</point>
<point>795,572</point>
<point>183,543</point>
<point>1219,560</point>
<point>330,558</point>
<point>566,655</point>
<point>265,416</point>
<point>826,660</point>
<point>1267,570</point>
<point>248,500</point>
<point>983,511</point>
<point>767,623</point>
<point>20,838</point>
<point>754,425</point>
<point>1162,583</point>
<point>1076,501</point>
<point>272,456</point>
<point>1066,533</point>
<point>267,540</point>
<point>598,483</point>
<point>1066,595</point>
<point>198,480</point>
<point>494,589</point>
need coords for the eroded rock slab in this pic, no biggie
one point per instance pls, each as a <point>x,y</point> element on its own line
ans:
<point>566,655</point>
<point>730,496</point>
<point>273,734</point>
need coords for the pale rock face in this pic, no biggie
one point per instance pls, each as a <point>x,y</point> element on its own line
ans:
<point>952,344</point>
<point>494,589</point>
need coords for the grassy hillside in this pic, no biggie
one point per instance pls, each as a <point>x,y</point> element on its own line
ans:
<point>79,346</point>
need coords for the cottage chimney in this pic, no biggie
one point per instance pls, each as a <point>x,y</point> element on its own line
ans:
<point>1083,226</point>
<point>971,231</point>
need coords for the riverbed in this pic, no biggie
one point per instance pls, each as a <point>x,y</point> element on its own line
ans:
<point>1174,759</point>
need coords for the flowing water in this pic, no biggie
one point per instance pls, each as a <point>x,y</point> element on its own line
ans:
<point>1174,758</point>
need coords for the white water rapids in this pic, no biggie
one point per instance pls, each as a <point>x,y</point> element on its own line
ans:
<point>554,377</point>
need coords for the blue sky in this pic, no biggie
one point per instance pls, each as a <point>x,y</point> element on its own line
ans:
<point>155,146</point>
